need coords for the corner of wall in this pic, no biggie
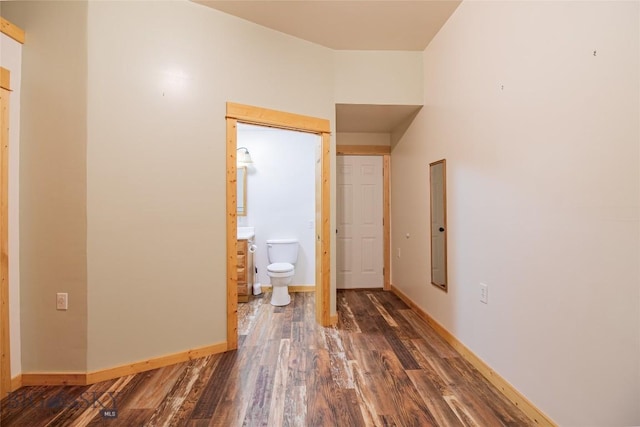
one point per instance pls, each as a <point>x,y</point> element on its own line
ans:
<point>53,185</point>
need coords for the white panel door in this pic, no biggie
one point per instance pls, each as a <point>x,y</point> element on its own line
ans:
<point>359,218</point>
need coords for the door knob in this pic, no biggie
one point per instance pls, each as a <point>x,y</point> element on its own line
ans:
<point>441,229</point>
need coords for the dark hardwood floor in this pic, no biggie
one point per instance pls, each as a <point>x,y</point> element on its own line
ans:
<point>382,365</point>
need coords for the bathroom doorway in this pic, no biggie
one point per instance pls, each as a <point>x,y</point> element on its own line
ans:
<point>237,113</point>
<point>280,197</point>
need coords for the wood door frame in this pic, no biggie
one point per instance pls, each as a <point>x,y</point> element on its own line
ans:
<point>385,152</point>
<point>12,30</point>
<point>5,341</point>
<point>238,113</point>
<point>6,383</point>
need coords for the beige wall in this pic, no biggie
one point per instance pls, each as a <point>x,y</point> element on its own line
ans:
<point>541,139</point>
<point>53,183</point>
<point>11,59</point>
<point>542,145</point>
<point>151,174</point>
<point>378,77</point>
<point>156,164</point>
<point>363,138</point>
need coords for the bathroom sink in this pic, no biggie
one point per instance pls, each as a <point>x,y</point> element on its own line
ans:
<point>246,233</point>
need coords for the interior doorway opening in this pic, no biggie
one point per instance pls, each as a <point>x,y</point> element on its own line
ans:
<point>384,152</point>
<point>279,198</point>
<point>359,222</point>
<point>237,113</point>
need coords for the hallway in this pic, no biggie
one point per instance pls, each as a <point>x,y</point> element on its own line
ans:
<point>381,365</point>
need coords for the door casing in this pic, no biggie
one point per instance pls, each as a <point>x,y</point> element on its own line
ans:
<point>5,350</point>
<point>239,113</point>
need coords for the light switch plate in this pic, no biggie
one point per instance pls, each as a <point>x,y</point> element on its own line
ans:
<point>62,301</point>
<point>484,293</point>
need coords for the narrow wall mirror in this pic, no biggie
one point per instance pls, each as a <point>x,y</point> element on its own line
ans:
<point>438,174</point>
<point>242,190</point>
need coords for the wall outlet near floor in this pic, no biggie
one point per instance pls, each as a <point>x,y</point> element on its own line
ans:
<point>62,301</point>
<point>398,252</point>
<point>484,293</point>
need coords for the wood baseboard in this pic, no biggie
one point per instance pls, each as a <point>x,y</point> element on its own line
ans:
<point>158,362</point>
<point>302,288</point>
<point>87,378</point>
<point>54,378</point>
<point>295,288</point>
<point>16,382</point>
<point>333,320</point>
<point>508,390</point>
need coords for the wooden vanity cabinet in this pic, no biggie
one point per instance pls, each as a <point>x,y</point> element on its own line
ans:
<point>245,270</point>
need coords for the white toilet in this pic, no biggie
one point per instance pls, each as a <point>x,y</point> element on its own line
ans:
<point>282,254</point>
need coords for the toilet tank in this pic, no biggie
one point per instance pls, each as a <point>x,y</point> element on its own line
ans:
<point>282,250</point>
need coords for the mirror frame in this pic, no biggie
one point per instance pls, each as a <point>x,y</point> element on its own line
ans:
<point>241,210</point>
<point>443,162</point>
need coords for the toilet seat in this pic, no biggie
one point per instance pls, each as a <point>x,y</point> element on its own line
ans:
<point>280,269</point>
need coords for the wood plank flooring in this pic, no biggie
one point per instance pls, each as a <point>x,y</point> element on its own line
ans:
<point>381,366</point>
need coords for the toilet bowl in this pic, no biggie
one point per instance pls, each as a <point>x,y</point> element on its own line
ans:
<point>282,255</point>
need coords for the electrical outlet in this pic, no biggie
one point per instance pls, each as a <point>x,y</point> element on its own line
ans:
<point>62,301</point>
<point>484,293</point>
<point>398,252</point>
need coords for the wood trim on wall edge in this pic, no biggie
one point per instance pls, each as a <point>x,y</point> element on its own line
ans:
<point>231,232</point>
<point>323,298</point>
<point>386,215</point>
<point>279,119</point>
<point>87,378</point>
<point>333,320</point>
<point>12,30</point>
<point>5,330</point>
<point>5,79</point>
<point>16,382</point>
<point>54,378</point>
<point>508,390</point>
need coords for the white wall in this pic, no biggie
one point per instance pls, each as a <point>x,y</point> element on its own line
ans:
<point>542,141</point>
<point>11,59</point>
<point>156,164</point>
<point>281,194</point>
<point>378,77</point>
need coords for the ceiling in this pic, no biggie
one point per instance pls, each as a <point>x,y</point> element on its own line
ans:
<point>352,25</point>
<point>372,118</point>
<point>347,25</point>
